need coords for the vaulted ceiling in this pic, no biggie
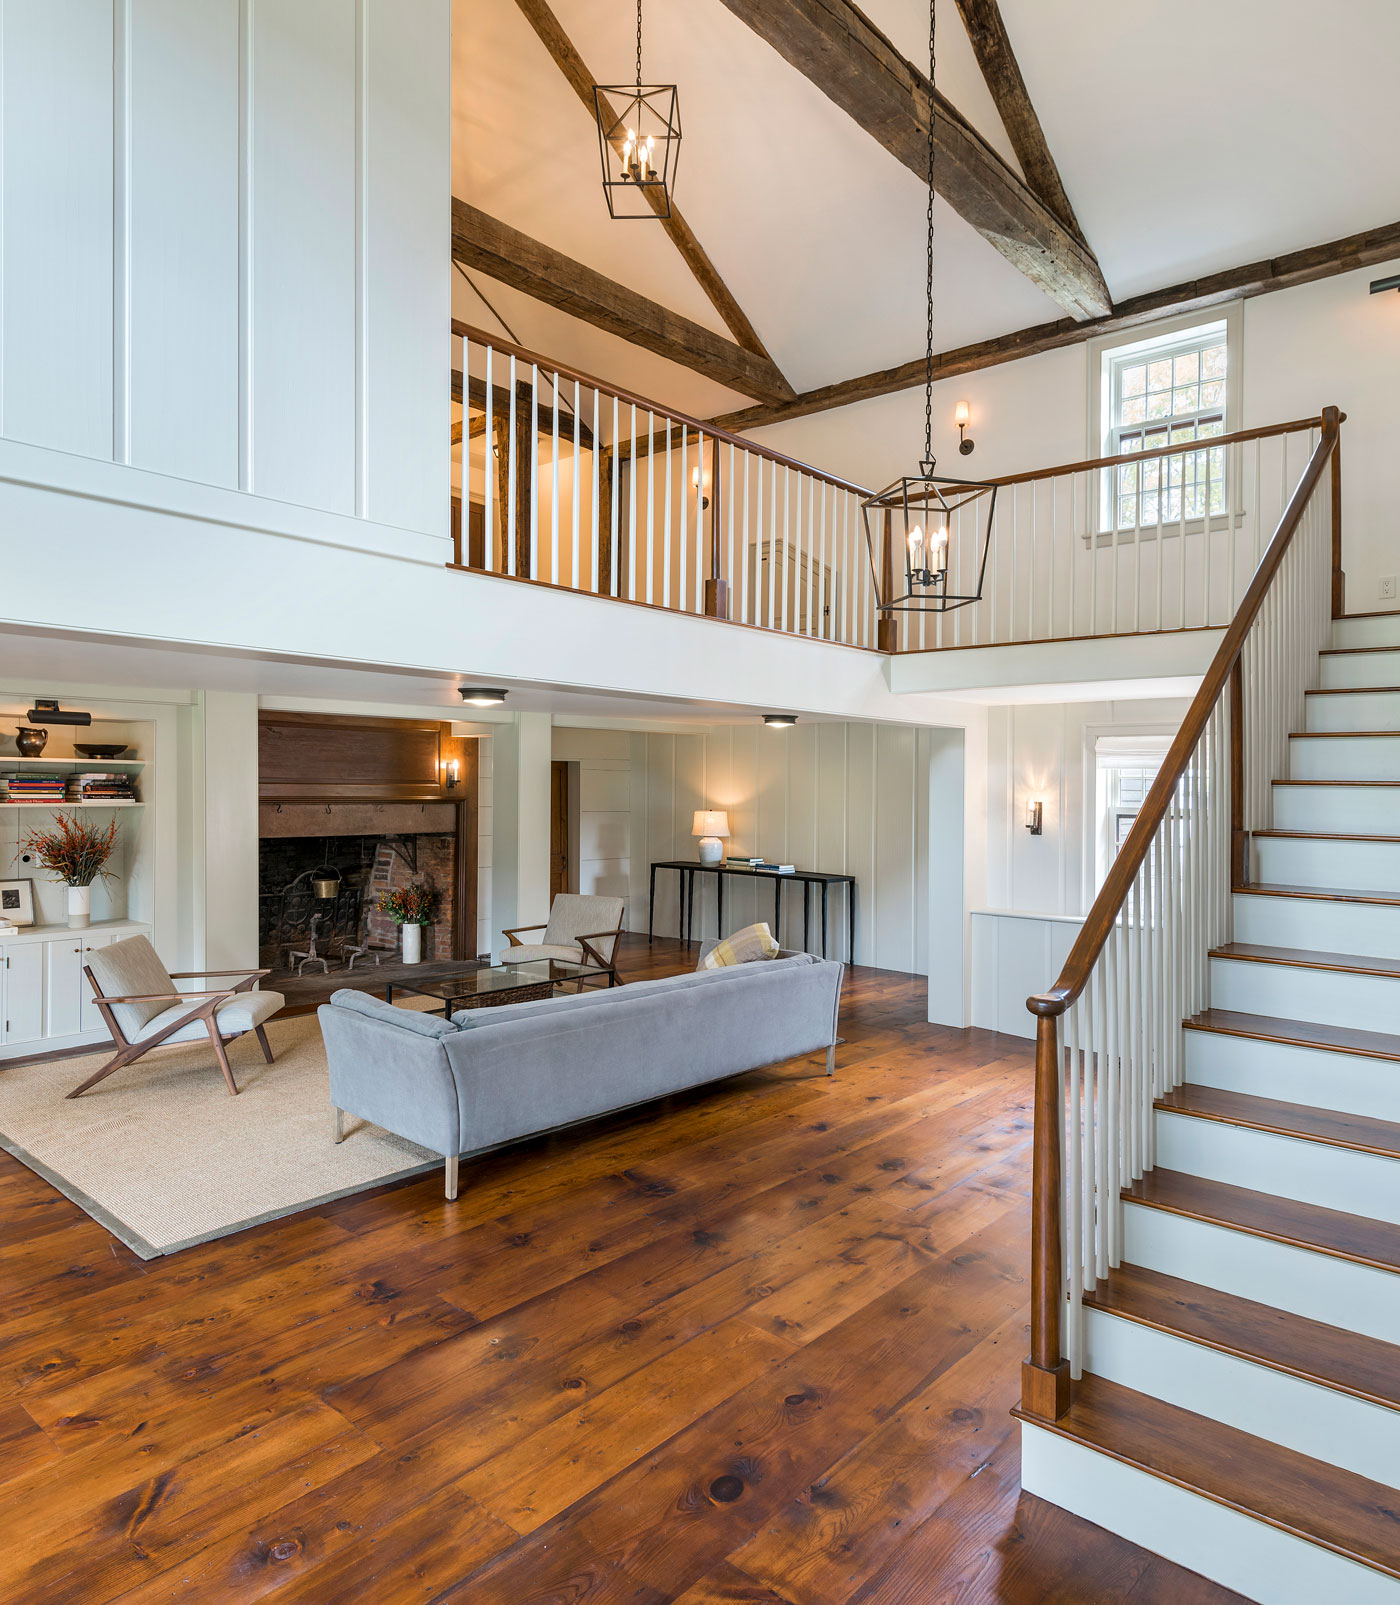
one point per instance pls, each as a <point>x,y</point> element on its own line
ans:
<point>1192,136</point>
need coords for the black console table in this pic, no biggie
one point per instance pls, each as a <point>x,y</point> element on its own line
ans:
<point>688,869</point>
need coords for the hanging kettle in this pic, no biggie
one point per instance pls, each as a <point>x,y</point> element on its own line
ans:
<point>325,882</point>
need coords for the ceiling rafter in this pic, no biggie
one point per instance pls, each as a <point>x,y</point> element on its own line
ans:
<point>1256,278</point>
<point>992,47</point>
<point>566,57</point>
<point>505,254</point>
<point>847,57</point>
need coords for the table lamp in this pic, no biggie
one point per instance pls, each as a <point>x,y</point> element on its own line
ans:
<point>710,825</point>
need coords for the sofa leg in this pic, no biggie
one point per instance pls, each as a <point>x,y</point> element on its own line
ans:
<point>451,1176</point>
<point>337,1124</point>
<point>831,1060</point>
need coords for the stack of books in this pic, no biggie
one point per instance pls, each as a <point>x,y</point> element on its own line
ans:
<point>100,787</point>
<point>35,788</point>
<point>761,863</point>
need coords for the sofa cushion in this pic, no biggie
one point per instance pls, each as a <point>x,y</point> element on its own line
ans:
<point>752,943</point>
<point>426,1025</point>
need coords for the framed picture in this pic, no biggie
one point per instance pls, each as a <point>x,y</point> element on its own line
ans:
<point>17,902</point>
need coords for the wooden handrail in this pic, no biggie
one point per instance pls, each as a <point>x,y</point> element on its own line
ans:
<point>629,398</point>
<point>1205,443</point>
<point>1045,1381</point>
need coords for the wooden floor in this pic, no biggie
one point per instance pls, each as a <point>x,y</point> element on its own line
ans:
<point>757,1343</point>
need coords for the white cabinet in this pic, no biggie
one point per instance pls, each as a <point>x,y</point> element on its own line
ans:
<point>45,999</point>
<point>63,977</point>
<point>22,992</point>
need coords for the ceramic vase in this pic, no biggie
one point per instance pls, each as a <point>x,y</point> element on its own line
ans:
<point>412,943</point>
<point>79,907</point>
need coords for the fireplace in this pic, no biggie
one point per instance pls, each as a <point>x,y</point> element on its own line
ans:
<point>349,809</point>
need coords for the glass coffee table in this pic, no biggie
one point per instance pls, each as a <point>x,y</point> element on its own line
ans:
<point>495,983</point>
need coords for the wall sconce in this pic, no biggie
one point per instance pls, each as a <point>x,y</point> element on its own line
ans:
<point>962,417</point>
<point>1035,817</point>
<point>1377,285</point>
<point>695,485</point>
<point>451,772</point>
<point>780,721</point>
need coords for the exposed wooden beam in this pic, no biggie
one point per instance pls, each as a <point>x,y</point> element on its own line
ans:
<point>1258,278</point>
<point>682,236</point>
<point>992,47</point>
<point>856,66</point>
<point>504,253</point>
<point>475,432</point>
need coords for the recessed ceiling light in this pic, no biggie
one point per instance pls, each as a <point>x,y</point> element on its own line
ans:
<point>481,696</point>
<point>780,721</point>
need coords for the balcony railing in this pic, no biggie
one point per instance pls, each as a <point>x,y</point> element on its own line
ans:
<point>566,481</point>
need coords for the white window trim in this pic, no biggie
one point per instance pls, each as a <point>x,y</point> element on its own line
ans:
<point>1125,740</point>
<point>1166,332</point>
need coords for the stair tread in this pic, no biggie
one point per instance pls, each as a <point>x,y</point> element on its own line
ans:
<point>1285,1220</point>
<point>1330,1355</point>
<point>1324,836</point>
<point>1330,894</point>
<point>1317,1502</point>
<point>1331,1126</point>
<point>1300,1033</point>
<point>1307,958</point>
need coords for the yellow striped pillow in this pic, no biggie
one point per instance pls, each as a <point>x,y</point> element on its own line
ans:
<point>753,942</point>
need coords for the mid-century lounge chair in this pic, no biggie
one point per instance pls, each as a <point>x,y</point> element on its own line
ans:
<point>581,930</point>
<point>143,1009</point>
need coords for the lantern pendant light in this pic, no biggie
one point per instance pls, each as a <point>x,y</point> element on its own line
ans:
<point>639,138</point>
<point>929,524</point>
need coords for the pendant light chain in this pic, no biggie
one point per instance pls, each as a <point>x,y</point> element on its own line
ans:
<point>639,44</point>
<point>928,462</point>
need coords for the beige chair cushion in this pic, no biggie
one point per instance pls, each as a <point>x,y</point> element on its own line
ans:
<point>574,915</point>
<point>235,1015</point>
<point>565,952</point>
<point>131,969</point>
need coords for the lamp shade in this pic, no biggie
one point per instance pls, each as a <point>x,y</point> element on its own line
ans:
<point>710,822</point>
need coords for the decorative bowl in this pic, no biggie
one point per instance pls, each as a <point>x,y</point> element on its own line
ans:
<point>100,750</point>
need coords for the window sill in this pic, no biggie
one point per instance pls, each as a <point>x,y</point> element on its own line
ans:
<point>1131,534</point>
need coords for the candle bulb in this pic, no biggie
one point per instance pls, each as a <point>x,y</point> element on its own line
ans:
<point>916,547</point>
<point>940,551</point>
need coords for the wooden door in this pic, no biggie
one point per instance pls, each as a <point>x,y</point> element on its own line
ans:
<point>558,829</point>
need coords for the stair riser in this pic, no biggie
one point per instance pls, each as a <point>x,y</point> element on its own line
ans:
<point>1231,1549</point>
<point>1354,710</point>
<point>1350,1082</point>
<point>1287,1167</point>
<point>1305,1416</point>
<point>1361,668</point>
<point>1358,1298</point>
<point>1290,992</point>
<point>1319,924</point>
<point>1338,810</point>
<point>1361,866</point>
<point>1343,758</point>
<point>1383,630</point>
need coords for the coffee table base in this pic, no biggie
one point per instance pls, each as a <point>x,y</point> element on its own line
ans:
<point>523,994</point>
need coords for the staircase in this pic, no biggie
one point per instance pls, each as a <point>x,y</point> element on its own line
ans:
<point>1239,1408</point>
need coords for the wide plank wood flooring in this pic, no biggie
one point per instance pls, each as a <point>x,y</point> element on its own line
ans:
<point>757,1343</point>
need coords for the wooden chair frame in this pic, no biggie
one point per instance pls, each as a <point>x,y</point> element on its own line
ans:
<point>207,1010</point>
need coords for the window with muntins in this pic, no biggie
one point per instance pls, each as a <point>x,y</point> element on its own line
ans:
<point>1167,394</point>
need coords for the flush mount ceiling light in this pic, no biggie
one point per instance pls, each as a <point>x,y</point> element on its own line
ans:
<point>49,712</point>
<point>481,696</point>
<point>923,513</point>
<point>780,721</point>
<point>639,141</point>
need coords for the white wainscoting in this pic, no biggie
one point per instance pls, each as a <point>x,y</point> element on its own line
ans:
<point>1014,955</point>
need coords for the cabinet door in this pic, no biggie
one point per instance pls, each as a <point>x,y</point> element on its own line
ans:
<point>90,1019</point>
<point>63,973</point>
<point>23,977</point>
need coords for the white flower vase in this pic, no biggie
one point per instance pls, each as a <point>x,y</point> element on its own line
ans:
<point>79,907</point>
<point>412,944</point>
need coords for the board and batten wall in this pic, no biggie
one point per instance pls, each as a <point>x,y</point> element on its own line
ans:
<point>851,798</point>
<point>224,246</point>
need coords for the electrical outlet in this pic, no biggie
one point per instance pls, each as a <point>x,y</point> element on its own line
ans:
<point>1387,587</point>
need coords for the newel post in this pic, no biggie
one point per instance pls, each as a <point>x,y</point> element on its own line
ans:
<point>1045,1381</point>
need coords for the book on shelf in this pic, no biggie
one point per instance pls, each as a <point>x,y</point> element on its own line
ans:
<point>784,869</point>
<point>745,863</point>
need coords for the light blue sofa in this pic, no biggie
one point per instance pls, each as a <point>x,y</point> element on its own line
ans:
<point>489,1076</point>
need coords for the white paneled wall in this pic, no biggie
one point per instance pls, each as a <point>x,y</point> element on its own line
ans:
<point>223,245</point>
<point>850,798</point>
<point>486,933</point>
<point>603,846</point>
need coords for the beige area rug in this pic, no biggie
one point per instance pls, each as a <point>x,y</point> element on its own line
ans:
<point>163,1157</point>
